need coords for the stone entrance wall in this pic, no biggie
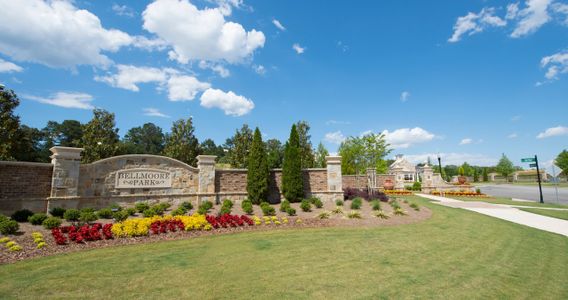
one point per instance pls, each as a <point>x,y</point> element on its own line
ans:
<point>24,185</point>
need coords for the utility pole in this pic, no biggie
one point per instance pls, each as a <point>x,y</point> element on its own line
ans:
<point>538,176</point>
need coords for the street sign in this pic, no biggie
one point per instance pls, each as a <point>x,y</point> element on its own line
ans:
<point>528,159</point>
<point>532,166</point>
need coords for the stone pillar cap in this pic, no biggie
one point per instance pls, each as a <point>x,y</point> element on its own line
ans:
<point>206,159</point>
<point>333,159</point>
<point>66,152</point>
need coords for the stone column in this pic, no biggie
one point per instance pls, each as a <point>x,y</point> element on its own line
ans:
<point>398,178</point>
<point>516,176</point>
<point>206,187</point>
<point>66,162</point>
<point>334,177</point>
<point>427,176</point>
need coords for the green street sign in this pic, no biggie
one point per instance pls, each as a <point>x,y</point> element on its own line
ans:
<point>528,159</point>
<point>532,166</point>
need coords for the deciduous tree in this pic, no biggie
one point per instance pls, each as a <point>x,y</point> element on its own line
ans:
<point>505,167</point>
<point>360,153</point>
<point>306,152</point>
<point>9,123</point>
<point>275,153</point>
<point>240,147</point>
<point>321,153</point>
<point>562,161</point>
<point>100,137</point>
<point>145,139</point>
<point>181,143</point>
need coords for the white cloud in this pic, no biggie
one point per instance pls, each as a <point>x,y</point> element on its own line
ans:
<point>7,67</point>
<point>404,96</point>
<point>466,141</point>
<point>406,137</point>
<point>556,63</point>
<point>66,99</point>
<point>226,6</point>
<point>512,11</point>
<point>334,137</point>
<point>154,112</point>
<point>512,136</point>
<point>453,158</point>
<point>231,103</point>
<point>123,10</point>
<point>553,131</point>
<point>515,118</point>
<point>182,88</point>
<point>215,67</point>
<point>474,23</point>
<point>336,122</point>
<point>531,18</point>
<point>299,49</point>
<point>278,25</point>
<point>197,34</point>
<point>259,69</point>
<point>561,9</point>
<point>56,34</point>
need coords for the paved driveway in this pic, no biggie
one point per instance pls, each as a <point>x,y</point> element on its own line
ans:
<point>525,192</point>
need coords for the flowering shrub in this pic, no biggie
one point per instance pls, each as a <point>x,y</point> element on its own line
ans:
<point>38,240</point>
<point>163,226</point>
<point>228,220</point>
<point>398,192</point>
<point>139,227</point>
<point>458,193</point>
<point>60,239</point>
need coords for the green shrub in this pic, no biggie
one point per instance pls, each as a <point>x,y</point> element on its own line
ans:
<point>115,207</point>
<point>354,215</point>
<point>338,210</point>
<point>376,205</point>
<point>150,212</point>
<point>187,205</point>
<point>381,214</point>
<point>408,187</point>
<point>164,206</point>
<point>3,218</point>
<point>88,217</point>
<point>228,203</point>
<point>284,205</point>
<point>394,204</point>
<point>141,206</point>
<point>8,226</point>
<point>306,205</point>
<point>72,215</point>
<point>356,203</point>
<point>120,215</point>
<point>339,202</point>
<point>267,209</point>
<point>417,186</point>
<point>478,190</point>
<point>180,211</point>
<point>158,209</point>
<point>399,212</point>
<point>291,211</point>
<point>204,207</point>
<point>415,206</point>
<point>51,222</point>
<point>131,211</point>
<point>22,215</point>
<point>324,215</point>
<point>37,219</point>
<point>246,205</point>
<point>105,213</point>
<point>225,210</point>
<point>88,210</point>
<point>316,202</point>
<point>57,212</point>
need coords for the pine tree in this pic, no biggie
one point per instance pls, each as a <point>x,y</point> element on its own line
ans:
<point>181,143</point>
<point>292,179</point>
<point>321,153</point>
<point>9,123</point>
<point>257,176</point>
<point>100,137</point>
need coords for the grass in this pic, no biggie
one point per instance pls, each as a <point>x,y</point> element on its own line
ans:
<point>559,214</point>
<point>508,201</point>
<point>454,254</point>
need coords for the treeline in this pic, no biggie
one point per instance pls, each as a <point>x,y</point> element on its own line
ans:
<point>100,139</point>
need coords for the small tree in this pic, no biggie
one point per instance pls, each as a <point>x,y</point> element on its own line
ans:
<point>475,175</point>
<point>321,153</point>
<point>9,123</point>
<point>100,137</point>
<point>181,143</point>
<point>274,153</point>
<point>292,179</point>
<point>461,171</point>
<point>485,175</point>
<point>562,161</point>
<point>257,176</point>
<point>306,151</point>
<point>505,167</point>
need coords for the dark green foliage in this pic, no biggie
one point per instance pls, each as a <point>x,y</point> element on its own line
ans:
<point>257,175</point>
<point>485,175</point>
<point>239,147</point>
<point>415,206</point>
<point>181,143</point>
<point>159,209</point>
<point>131,211</point>
<point>339,202</point>
<point>204,207</point>
<point>57,212</point>
<point>120,215</point>
<point>88,210</point>
<point>37,219</point>
<point>356,203</point>
<point>307,157</point>
<point>51,222</point>
<point>8,226</point>
<point>9,123</point>
<point>274,153</point>
<point>306,205</point>
<point>100,137</point>
<point>394,204</point>
<point>147,139</point>
<point>316,202</point>
<point>321,153</point>
<point>292,178</point>
<point>228,203</point>
<point>22,215</point>
<point>88,217</point>
<point>376,205</point>
<point>187,205</point>
<point>72,215</point>
<point>267,209</point>
<point>115,207</point>
<point>284,205</point>
<point>105,213</point>
<point>562,161</point>
<point>246,205</point>
<point>226,207</point>
<point>180,211</point>
<point>141,206</point>
<point>417,186</point>
<point>148,213</point>
<point>208,147</point>
<point>291,211</point>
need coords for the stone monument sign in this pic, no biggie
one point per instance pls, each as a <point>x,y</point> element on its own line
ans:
<point>143,178</point>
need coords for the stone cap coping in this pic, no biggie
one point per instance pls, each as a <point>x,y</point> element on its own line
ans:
<point>333,160</point>
<point>206,159</point>
<point>66,152</point>
<point>25,163</point>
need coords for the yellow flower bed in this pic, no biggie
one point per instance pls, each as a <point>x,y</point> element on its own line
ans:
<point>139,227</point>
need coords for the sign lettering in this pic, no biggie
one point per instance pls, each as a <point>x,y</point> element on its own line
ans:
<point>143,178</point>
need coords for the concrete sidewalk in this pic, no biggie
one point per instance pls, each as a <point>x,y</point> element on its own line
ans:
<point>506,212</point>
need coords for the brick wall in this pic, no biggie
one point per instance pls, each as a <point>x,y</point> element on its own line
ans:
<point>354,181</point>
<point>23,181</point>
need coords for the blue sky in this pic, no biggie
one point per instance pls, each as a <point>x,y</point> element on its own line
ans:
<point>467,79</point>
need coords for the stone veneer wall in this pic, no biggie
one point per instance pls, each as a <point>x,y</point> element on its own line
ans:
<point>24,185</point>
<point>232,184</point>
<point>360,181</point>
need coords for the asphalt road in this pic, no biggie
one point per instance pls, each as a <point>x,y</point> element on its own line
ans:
<point>526,192</point>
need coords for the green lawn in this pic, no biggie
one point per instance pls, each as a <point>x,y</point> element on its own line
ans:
<point>560,214</point>
<point>456,254</point>
<point>508,201</point>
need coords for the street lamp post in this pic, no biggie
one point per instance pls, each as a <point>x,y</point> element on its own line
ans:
<point>440,166</point>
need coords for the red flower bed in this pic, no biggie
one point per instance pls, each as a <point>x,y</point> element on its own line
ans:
<point>158,227</point>
<point>228,220</point>
<point>82,234</point>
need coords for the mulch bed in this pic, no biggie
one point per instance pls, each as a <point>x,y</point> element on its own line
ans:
<point>309,220</point>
